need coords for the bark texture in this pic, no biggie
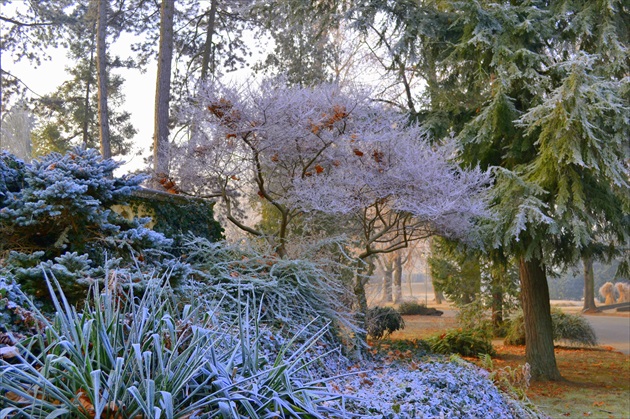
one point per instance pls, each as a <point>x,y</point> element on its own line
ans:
<point>101,67</point>
<point>539,350</point>
<point>162,91</point>
<point>398,274</point>
<point>589,286</point>
<point>207,49</point>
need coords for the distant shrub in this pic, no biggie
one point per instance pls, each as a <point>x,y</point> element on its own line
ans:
<point>409,308</point>
<point>383,321</point>
<point>568,327</point>
<point>462,342</point>
<point>573,328</point>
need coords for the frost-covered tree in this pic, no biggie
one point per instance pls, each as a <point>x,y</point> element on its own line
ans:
<point>68,117</point>
<point>57,210</point>
<point>28,28</point>
<point>304,150</point>
<point>15,132</point>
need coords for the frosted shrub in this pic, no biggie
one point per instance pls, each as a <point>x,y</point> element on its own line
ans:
<point>451,390</point>
<point>11,175</point>
<point>55,214</point>
<point>291,292</point>
<point>129,357</point>
<point>328,150</point>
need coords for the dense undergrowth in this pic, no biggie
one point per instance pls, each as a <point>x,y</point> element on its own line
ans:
<point>148,355</point>
<point>99,319</point>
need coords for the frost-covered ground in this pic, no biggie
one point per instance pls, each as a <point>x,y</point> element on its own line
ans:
<point>430,389</point>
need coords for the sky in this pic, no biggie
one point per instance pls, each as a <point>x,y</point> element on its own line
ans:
<point>139,89</point>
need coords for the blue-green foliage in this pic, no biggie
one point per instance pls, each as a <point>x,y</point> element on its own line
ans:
<point>55,214</point>
<point>11,175</point>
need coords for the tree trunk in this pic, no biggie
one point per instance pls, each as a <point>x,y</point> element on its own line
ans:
<point>162,91</point>
<point>362,277</point>
<point>589,286</point>
<point>398,273</point>
<point>207,49</point>
<point>438,295</point>
<point>207,67</point>
<point>497,303</point>
<point>387,285</point>
<point>539,351</point>
<point>101,66</point>
<point>86,98</point>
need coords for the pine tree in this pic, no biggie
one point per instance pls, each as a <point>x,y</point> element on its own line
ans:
<point>537,90</point>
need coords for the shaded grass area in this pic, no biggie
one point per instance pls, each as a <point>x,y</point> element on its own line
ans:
<point>597,380</point>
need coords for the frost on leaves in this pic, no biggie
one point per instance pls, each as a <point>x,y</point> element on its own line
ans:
<point>329,150</point>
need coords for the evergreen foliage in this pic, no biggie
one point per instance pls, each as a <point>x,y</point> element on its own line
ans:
<point>475,282</point>
<point>462,342</point>
<point>538,90</point>
<point>383,321</point>
<point>178,217</point>
<point>55,213</point>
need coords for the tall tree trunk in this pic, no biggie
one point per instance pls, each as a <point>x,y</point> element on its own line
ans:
<point>589,286</point>
<point>86,98</point>
<point>207,67</point>
<point>207,49</point>
<point>101,65</point>
<point>387,283</point>
<point>438,295</point>
<point>497,302</point>
<point>362,277</point>
<point>398,273</point>
<point>163,91</point>
<point>539,351</point>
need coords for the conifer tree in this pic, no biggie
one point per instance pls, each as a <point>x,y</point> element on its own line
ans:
<point>539,91</point>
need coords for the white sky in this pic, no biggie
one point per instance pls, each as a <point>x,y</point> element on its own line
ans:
<point>139,90</point>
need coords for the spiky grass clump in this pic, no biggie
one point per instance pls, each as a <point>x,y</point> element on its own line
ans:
<point>130,357</point>
<point>383,321</point>
<point>292,292</point>
<point>572,328</point>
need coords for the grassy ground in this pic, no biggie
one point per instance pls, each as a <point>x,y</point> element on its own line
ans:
<point>597,381</point>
